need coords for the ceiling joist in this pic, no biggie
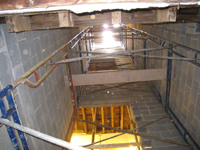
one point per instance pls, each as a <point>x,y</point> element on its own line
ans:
<point>19,23</point>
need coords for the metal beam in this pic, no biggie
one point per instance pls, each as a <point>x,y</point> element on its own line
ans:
<point>119,77</point>
<point>138,134</point>
<point>40,135</point>
<point>116,145</point>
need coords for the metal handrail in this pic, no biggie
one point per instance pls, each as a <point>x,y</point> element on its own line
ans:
<point>23,78</point>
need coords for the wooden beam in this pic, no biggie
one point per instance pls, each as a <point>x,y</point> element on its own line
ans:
<point>119,77</point>
<point>122,117</point>
<point>102,117</point>
<point>84,118</point>
<point>166,15</point>
<point>94,111</point>
<point>117,145</point>
<point>116,17</point>
<point>65,19</point>
<point>112,117</point>
<point>18,23</point>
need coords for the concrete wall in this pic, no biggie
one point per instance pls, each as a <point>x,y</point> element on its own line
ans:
<point>47,108</point>
<point>185,93</point>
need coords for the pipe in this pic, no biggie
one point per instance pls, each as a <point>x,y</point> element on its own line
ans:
<point>146,56</point>
<point>174,43</point>
<point>23,79</point>
<point>110,54</point>
<point>40,135</point>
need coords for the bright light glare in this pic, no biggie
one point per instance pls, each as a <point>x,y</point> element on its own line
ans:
<point>108,39</point>
<point>116,25</point>
<point>105,26</point>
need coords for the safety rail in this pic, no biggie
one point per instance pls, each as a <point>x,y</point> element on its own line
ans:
<point>23,79</point>
<point>171,44</point>
<point>6,94</point>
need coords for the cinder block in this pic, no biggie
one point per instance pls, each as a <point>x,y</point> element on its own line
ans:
<point>12,45</point>
<point>156,128</point>
<point>38,49</point>
<point>25,52</point>
<point>197,111</point>
<point>169,134</point>
<point>190,74</point>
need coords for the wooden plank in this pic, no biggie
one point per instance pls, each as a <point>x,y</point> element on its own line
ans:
<point>117,145</point>
<point>102,117</point>
<point>84,118</point>
<point>112,117</point>
<point>122,118</point>
<point>119,77</point>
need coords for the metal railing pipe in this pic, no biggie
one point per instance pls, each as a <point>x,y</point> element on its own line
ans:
<point>110,54</point>
<point>23,78</point>
<point>40,135</point>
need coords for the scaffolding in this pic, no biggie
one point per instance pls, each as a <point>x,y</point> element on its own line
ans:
<point>6,114</point>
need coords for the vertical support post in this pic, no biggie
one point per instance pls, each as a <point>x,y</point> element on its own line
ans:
<point>132,43</point>
<point>79,45</point>
<point>145,53</point>
<point>89,42</point>
<point>169,70</point>
<point>93,127</point>
<point>122,36</point>
<point>84,118</point>
<point>122,117</point>
<point>112,117</point>
<point>86,46</point>
<point>126,41</point>
<point>102,115</point>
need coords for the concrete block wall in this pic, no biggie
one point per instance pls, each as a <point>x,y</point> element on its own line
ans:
<point>185,93</point>
<point>47,108</point>
<point>148,109</point>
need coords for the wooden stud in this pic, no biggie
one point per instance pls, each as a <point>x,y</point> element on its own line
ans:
<point>103,122</point>
<point>122,118</point>
<point>94,111</point>
<point>84,118</point>
<point>112,117</point>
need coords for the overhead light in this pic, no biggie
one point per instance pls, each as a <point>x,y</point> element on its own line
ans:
<point>105,26</point>
<point>116,25</point>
